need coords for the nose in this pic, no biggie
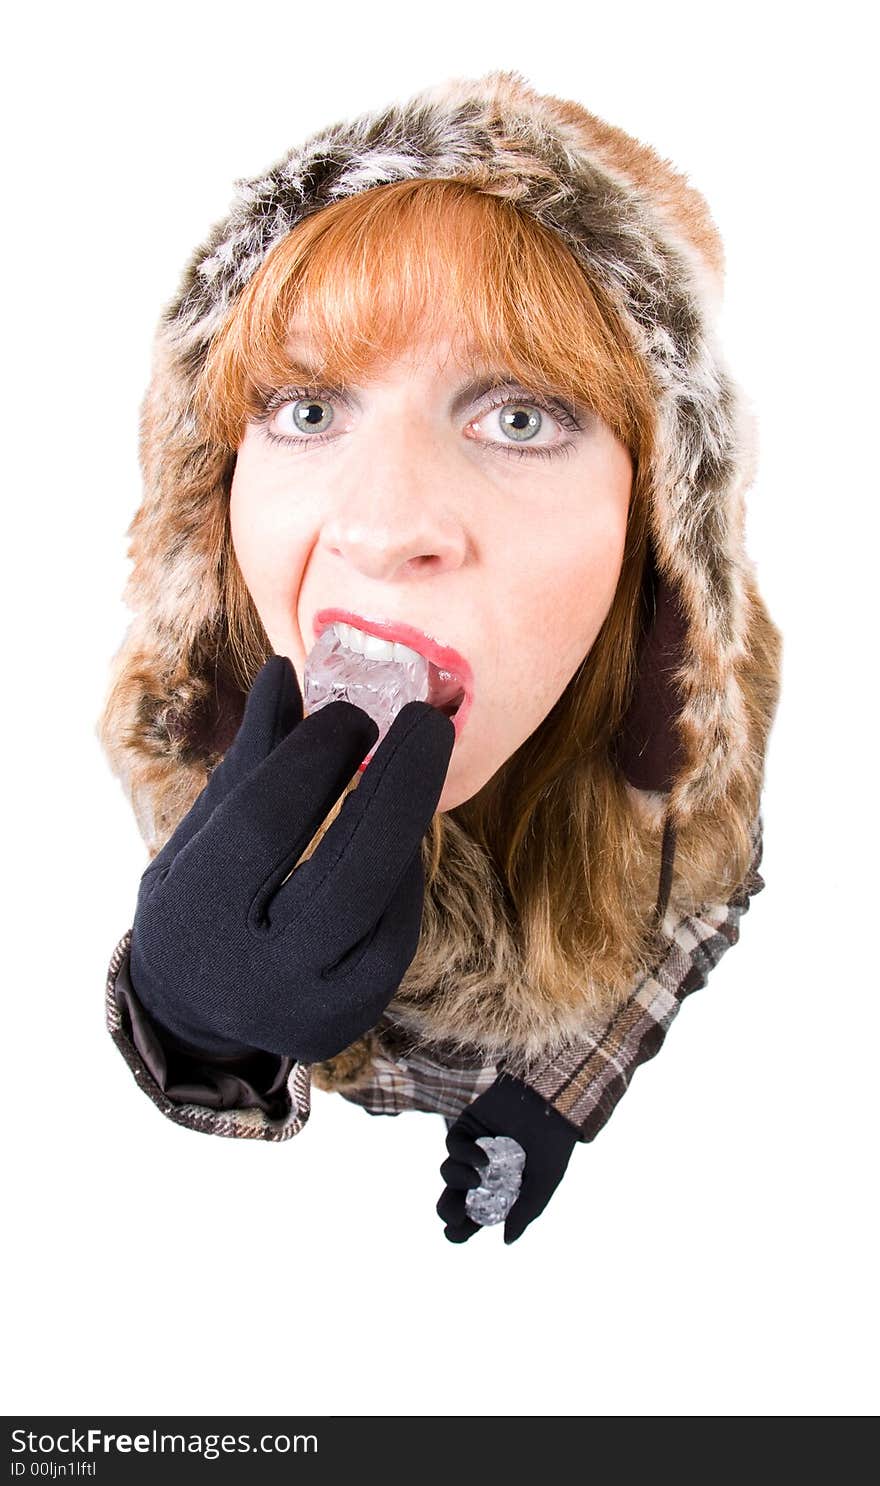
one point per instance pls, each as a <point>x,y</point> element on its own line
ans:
<point>395,516</point>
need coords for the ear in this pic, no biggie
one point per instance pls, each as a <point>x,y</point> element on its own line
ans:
<point>649,748</point>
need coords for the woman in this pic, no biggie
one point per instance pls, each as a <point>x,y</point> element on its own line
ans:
<point>447,375</point>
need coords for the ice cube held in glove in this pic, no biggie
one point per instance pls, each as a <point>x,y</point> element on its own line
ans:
<point>507,1108</point>
<point>334,673</point>
<point>231,949</point>
<point>491,1201</point>
<point>380,684</point>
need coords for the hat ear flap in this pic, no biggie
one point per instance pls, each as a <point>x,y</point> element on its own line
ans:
<point>649,745</point>
<point>202,718</point>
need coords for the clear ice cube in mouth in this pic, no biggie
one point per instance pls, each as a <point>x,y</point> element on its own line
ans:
<point>333,673</point>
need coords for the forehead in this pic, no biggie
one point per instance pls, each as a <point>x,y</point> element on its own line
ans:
<point>447,349</point>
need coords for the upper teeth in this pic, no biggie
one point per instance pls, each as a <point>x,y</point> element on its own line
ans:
<point>371,647</point>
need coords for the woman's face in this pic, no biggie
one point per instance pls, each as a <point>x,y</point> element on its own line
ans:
<point>416,499</point>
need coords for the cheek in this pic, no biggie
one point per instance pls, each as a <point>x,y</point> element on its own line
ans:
<point>564,596</point>
<point>270,549</point>
<point>591,586</point>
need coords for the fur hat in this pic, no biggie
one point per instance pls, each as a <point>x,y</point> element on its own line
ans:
<point>646,236</point>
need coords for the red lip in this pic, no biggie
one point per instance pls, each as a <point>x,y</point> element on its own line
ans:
<point>444,657</point>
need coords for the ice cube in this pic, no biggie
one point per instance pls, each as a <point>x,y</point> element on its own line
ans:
<point>334,673</point>
<point>492,1200</point>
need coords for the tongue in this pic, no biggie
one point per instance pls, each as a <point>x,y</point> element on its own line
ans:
<point>445,688</point>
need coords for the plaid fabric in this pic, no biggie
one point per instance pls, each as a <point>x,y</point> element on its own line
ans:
<point>583,1082</point>
<point>418,1082</point>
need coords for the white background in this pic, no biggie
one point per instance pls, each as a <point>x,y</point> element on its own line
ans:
<point>713,1252</point>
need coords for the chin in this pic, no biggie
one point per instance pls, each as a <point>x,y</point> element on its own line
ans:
<point>456,792</point>
<point>449,799</point>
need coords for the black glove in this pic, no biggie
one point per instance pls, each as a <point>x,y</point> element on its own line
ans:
<point>229,957</point>
<point>511,1108</point>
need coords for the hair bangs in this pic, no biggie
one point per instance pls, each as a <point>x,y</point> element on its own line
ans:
<point>374,275</point>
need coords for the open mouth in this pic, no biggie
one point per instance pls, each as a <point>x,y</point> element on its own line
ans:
<point>447,691</point>
<point>377,673</point>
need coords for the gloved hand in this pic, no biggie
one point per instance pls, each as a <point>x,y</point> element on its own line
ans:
<point>227,955</point>
<point>508,1107</point>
